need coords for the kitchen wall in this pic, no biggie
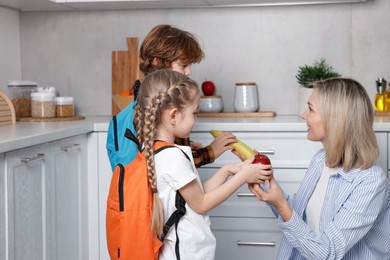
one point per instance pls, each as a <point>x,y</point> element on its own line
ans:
<point>10,60</point>
<point>72,50</point>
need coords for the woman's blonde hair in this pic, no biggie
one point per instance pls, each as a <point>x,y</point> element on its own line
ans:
<point>167,44</point>
<point>159,90</point>
<point>348,116</point>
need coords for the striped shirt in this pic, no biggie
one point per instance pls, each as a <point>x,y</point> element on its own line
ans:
<point>355,218</point>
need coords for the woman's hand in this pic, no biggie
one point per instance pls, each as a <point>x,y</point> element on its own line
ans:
<point>274,196</point>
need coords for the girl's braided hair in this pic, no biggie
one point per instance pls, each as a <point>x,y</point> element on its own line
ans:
<point>159,90</point>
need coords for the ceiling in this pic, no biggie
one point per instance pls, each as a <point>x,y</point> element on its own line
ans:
<point>69,5</point>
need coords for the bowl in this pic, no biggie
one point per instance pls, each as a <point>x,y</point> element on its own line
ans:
<point>211,104</point>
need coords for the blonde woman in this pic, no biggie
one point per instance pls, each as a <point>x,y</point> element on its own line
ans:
<point>342,208</point>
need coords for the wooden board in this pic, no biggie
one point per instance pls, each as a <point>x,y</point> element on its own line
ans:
<point>125,71</point>
<point>233,114</point>
<point>378,113</point>
<point>7,110</point>
<point>49,119</point>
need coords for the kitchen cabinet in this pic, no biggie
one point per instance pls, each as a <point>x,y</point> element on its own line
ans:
<point>46,210</point>
<point>3,225</point>
<point>100,177</point>
<point>245,227</point>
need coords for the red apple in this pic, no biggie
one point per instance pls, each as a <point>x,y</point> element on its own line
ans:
<point>261,158</point>
<point>208,88</point>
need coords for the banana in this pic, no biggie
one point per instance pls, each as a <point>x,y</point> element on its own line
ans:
<point>239,146</point>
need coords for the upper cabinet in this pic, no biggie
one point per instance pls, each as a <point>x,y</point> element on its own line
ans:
<point>68,5</point>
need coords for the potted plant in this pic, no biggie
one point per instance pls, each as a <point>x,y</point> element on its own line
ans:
<point>306,75</point>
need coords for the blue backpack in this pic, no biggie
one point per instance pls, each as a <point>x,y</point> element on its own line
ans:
<point>122,144</point>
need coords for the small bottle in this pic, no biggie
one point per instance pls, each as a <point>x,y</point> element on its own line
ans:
<point>380,102</point>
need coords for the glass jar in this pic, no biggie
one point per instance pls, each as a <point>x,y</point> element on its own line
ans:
<point>20,95</point>
<point>42,104</point>
<point>246,97</point>
<point>64,106</point>
<point>48,89</point>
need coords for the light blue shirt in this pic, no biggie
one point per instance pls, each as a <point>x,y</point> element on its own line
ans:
<point>355,217</point>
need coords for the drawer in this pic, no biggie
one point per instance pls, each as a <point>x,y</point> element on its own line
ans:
<point>244,204</point>
<point>246,238</point>
<point>286,150</point>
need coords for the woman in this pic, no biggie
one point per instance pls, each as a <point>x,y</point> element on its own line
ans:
<point>342,208</point>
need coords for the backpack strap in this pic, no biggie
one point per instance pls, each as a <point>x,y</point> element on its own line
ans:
<point>115,124</point>
<point>180,205</point>
<point>132,137</point>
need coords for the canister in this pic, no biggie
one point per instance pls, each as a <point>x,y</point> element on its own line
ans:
<point>42,104</point>
<point>64,106</point>
<point>246,97</point>
<point>48,89</point>
<point>20,95</point>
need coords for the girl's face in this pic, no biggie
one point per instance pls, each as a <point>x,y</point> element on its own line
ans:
<point>315,127</point>
<point>186,119</point>
<point>180,67</point>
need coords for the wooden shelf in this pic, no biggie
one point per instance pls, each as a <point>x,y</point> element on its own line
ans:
<point>234,114</point>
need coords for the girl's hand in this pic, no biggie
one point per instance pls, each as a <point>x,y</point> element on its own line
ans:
<point>233,168</point>
<point>256,173</point>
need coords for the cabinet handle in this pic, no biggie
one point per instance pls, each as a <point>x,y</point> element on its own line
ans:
<point>242,194</point>
<point>246,243</point>
<point>39,156</point>
<point>70,147</point>
<point>267,152</point>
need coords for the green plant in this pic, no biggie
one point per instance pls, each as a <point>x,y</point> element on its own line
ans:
<point>320,70</point>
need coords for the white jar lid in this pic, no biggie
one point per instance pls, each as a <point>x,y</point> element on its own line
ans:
<point>64,100</point>
<point>46,89</point>
<point>21,83</point>
<point>42,96</point>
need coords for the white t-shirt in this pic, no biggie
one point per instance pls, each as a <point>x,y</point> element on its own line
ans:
<point>174,171</point>
<point>316,201</point>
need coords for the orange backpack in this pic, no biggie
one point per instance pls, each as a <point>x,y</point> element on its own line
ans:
<point>129,212</point>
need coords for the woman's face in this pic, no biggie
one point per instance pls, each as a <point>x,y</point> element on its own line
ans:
<point>315,127</point>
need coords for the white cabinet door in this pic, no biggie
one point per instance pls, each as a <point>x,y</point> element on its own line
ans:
<point>3,224</point>
<point>105,174</point>
<point>26,191</point>
<point>68,199</point>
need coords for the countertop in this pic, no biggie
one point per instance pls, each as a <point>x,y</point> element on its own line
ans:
<point>24,134</point>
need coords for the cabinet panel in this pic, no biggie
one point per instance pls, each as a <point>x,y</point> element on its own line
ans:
<point>3,224</point>
<point>286,150</point>
<point>244,204</point>
<point>68,200</point>
<point>246,238</point>
<point>26,205</point>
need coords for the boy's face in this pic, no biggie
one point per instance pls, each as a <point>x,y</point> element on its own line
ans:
<point>180,67</point>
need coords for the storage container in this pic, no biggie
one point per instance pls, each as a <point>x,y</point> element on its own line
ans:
<point>42,104</point>
<point>64,106</point>
<point>20,95</point>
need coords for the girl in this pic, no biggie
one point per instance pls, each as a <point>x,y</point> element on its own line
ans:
<point>342,208</point>
<point>167,108</point>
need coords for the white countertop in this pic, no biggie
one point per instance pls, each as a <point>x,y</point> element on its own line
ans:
<point>24,134</point>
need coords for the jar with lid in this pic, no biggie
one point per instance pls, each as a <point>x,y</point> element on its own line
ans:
<point>246,97</point>
<point>42,104</point>
<point>64,106</point>
<point>48,90</point>
<point>20,95</point>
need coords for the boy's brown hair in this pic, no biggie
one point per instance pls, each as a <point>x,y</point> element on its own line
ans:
<point>166,44</point>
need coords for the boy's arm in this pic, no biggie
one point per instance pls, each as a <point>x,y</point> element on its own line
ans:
<point>202,156</point>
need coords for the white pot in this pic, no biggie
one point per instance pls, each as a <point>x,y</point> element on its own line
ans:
<point>304,94</point>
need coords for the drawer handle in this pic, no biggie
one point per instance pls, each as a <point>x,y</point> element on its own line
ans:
<point>246,243</point>
<point>70,147</point>
<point>242,194</point>
<point>39,156</point>
<point>267,152</point>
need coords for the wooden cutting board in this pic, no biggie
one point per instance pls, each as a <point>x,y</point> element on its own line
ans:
<point>379,113</point>
<point>125,71</point>
<point>241,115</point>
<point>7,111</point>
